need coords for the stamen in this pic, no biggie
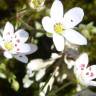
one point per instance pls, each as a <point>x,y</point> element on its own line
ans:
<point>58,27</point>
<point>8,45</point>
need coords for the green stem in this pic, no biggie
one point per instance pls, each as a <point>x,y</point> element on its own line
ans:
<point>30,27</point>
<point>62,87</point>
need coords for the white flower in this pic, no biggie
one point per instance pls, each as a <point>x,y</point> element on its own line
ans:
<point>84,73</point>
<point>14,44</point>
<point>61,25</point>
<point>37,4</point>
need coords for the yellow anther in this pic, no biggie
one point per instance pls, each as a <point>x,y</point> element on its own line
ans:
<point>58,28</point>
<point>8,46</point>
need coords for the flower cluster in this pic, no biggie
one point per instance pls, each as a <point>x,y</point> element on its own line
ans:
<point>61,27</point>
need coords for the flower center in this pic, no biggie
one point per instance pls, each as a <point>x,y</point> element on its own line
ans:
<point>58,27</point>
<point>37,3</point>
<point>8,45</point>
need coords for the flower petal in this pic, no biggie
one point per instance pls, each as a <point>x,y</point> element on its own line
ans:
<point>74,37</point>
<point>21,36</point>
<point>73,17</point>
<point>25,48</point>
<point>91,70</point>
<point>27,82</point>
<point>57,10</point>
<point>7,55</point>
<point>47,24</point>
<point>1,39</point>
<point>92,83</point>
<point>81,63</point>
<point>58,41</point>
<point>32,49</point>
<point>35,65</point>
<point>22,58</point>
<point>8,31</point>
<point>40,74</point>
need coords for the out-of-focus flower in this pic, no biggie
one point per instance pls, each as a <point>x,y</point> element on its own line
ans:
<point>49,84</point>
<point>36,4</point>
<point>27,82</point>
<point>85,74</point>
<point>37,64</point>
<point>61,25</point>
<point>37,68</point>
<point>14,44</point>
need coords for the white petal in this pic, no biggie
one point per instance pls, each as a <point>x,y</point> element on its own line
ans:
<point>47,24</point>
<point>21,35</point>
<point>35,65</point>
<point>22,58</point>
<point>73,17</point>
<point>7,55</point>
<point>32,49</point>
<point>38,64</point>
<point>92,72</point>
<point>25,48</point>
<point>27,82</point>
<point>8,31</point>
<point>92,83</point>
<point>81,62</point>
<point>57,10</point>
<point>1,38</point>
<point>40,74</point>
<point>58,41</point>
<point>74,37</point>
<point>83,59</point>
<point>1,42</point>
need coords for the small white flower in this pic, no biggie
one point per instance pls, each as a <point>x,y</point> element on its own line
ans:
<point>37,4</point>
<point>61,25</point>
<point>84,73</point>
<point>14,44</point>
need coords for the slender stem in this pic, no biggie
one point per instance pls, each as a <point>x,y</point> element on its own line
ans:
<point>62,87</point>
<point>26,25</point>
<point>31,28</point>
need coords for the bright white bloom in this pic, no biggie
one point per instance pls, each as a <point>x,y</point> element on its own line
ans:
<point>14,44</point>
<point>60,25</point>
<point>84,73</point>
